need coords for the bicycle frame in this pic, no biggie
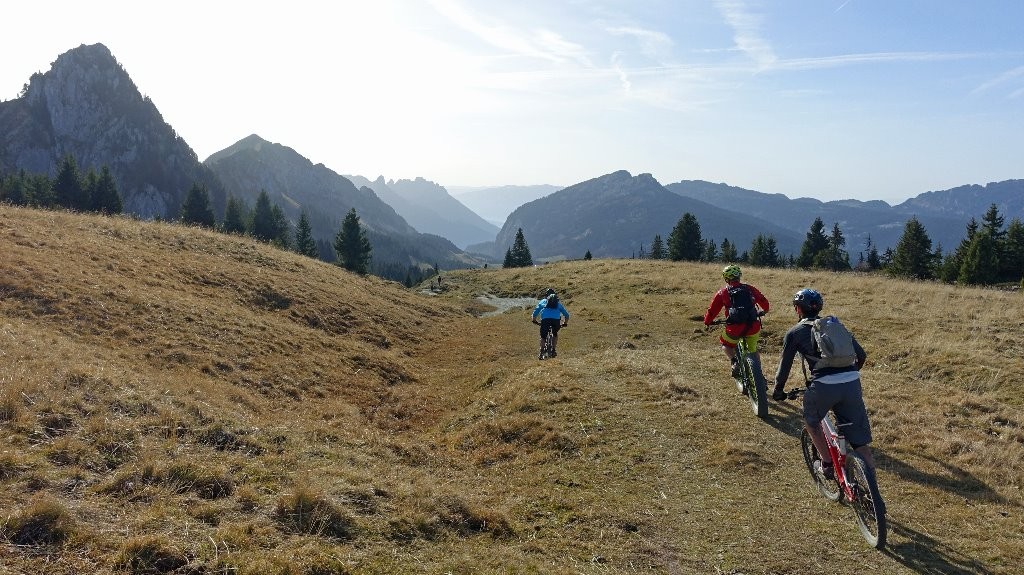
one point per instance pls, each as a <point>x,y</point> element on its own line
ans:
<point>837,449</point>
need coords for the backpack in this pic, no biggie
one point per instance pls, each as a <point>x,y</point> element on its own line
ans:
<point>552,301</point>
<point>741,306</point>
<point>834,342</point>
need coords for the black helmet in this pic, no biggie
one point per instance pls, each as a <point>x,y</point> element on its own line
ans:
<point>808,300</point>
<point>551,291</point>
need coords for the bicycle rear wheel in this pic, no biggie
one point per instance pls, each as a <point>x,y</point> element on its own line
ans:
<point>757,388</point>
<point>827,487</point>
<point>867,502</point>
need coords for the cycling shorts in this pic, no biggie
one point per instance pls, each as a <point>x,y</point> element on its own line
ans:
<point>846,401</point>
<point>751,340</point>
<point>549,323</point>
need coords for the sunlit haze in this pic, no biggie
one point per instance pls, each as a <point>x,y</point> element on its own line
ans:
<point>824,98</point>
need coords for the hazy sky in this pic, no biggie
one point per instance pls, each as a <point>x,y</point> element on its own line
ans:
<point>867,99</point>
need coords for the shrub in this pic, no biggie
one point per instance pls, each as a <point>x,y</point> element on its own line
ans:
<point>149,554</point>
<point>42,522</point>
<point>307,512</point>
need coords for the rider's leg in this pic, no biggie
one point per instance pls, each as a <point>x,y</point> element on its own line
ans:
<point>819,443</point>
<point>865,452</point>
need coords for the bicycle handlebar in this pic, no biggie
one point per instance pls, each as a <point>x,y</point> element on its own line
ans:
<point>722,320</point>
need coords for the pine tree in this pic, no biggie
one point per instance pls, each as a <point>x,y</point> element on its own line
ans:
<point>352,245</point>
<point>913,256</point>
<point>815,243</point>
<point>304,243</point>
<point>728,251</point>
<point>1013,264</point>
<point>68,191</point>
<point>710,251</point>
<point>834,257</point>
<point>587,256</point>
<point>949,268</point>
<point>684,242</point>
<point>764,252</point>
<point>508,263</point>
<point>196,207</point>
<point>873,260</point>
<point>103,194</point>
<point>282,228</point>
<point>980,265</point>
<point>657,248</point>
<point>234,216</point>
<point>263,225</point>
<point>519,254</point>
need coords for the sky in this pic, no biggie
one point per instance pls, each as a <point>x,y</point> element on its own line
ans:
<point>831,99</point>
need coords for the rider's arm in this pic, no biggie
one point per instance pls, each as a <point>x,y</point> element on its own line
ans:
<point>717,303</point>
<point>536,310</point>
<point>565,312</point>
<point>759,298</point>
<point>789,349</point>
<point>862,355</point>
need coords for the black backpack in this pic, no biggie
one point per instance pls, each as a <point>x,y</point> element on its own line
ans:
<point>552,301</point>
<point>741,306</point>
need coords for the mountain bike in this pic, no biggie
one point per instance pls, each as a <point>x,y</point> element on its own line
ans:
<point>547,348</point>
<point>750,381</point>
<point>854,482</point>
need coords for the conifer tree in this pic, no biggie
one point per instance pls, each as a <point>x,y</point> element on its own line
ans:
<point>873,261</point>
<point>234,216</point>
<point>519,253</point>
<point>980,265</point>
<point>834,257</point>
<point>263,225</point>
<point>196,208</point>
<point>684,242</point>
<point>657,248</point>
<point>103,194</point>
<point>728,251</point>
<point>304,243</point>
<point>508,259</point>
<point>764,252</point>
<point>710,251</point>
<point>282,228</point>
<point>1013,264</point>
<point>68,191</point>
<point>949,268</point>
<point>815,243</point>
<point>913,256</point>
<point>587,256</point>
<point>352,245</point>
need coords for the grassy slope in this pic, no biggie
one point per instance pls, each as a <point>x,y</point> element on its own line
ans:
<point>176,395</point>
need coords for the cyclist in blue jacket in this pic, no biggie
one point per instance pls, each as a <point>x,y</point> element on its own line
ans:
<point>550,311</point>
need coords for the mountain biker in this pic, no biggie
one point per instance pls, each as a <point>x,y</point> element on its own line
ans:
<point>736,328</point>
<point>835,388</point>
<point>550,310</point>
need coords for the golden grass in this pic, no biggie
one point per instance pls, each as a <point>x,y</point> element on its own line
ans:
<point>192,402</point>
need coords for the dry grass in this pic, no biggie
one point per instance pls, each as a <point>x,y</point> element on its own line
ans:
<point>182,402</point>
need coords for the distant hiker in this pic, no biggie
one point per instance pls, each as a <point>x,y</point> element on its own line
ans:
<point>740,302</point>
<point>550,311</point>
<point>834,358</point>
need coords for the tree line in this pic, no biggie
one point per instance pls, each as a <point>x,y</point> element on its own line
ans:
<point>266,222</point>
<point>70,189</point>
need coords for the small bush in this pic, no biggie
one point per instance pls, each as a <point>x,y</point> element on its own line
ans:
<point>306,512</point>
<point>206,483</point>
<point>149,554</point>
<point>42,522</point>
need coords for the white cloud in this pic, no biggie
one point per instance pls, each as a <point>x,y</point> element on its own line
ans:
<point>747,32</point>
<point>1003,78</point>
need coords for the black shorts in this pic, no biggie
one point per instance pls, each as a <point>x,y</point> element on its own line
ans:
<point>549,323</point>
<point>846,401</point>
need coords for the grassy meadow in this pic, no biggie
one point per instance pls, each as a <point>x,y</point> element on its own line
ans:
<point>174,400</point>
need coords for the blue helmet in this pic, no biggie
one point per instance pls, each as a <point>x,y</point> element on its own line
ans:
<point>808,300</point>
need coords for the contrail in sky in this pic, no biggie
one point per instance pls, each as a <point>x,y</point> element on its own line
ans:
<point>841,6</point>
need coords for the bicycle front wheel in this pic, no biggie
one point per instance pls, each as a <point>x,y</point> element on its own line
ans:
<point>867,502</point>
<point>827,487</point>
<point>757,388</point>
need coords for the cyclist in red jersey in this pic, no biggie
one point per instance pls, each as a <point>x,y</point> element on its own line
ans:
<point>740,302</point>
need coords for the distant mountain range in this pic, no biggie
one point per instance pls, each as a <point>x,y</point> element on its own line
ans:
<point>430,209</point>
<point>86,105</point>
<point>495,203</point>
<point>944,214</point>
<point>611,216</point>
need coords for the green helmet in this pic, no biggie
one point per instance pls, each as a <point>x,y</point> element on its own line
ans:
<point>731,273</point>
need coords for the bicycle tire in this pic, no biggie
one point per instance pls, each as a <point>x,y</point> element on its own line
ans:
<point>829,488</point>
<point>756,389</point>
<point>549,345</point>
<point>867,502</point>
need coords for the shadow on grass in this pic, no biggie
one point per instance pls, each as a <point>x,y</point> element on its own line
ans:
<point>955,480</point>
<point>787,417</point>
<point>924,554</point>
